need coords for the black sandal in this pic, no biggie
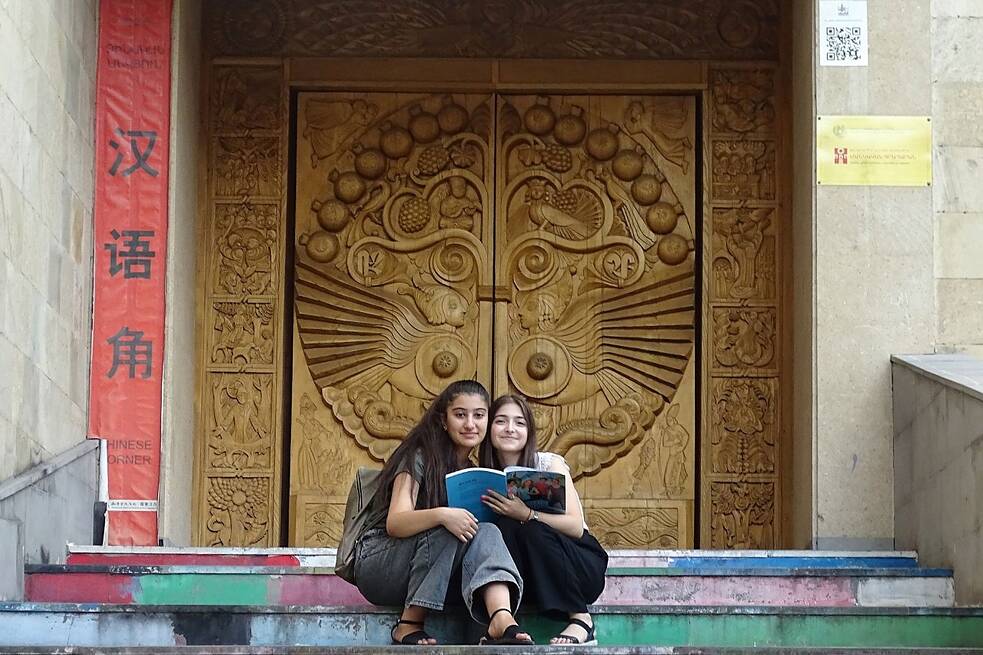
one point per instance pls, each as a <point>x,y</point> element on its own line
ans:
<point>412,639</point>
<point>508,637</point>
<point>589,640</point>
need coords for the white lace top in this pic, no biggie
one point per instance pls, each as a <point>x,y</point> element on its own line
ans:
<point>546,461</point>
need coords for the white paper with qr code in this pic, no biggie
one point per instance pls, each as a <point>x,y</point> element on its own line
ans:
<point>843,34</point>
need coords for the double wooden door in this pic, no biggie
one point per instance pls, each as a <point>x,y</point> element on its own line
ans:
<point>544,245</point>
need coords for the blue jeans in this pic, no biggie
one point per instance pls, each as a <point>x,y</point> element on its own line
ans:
<point>417,570</point>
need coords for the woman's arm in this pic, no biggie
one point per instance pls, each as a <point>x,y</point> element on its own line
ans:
<point>404,520</point>
<point>571,523</point>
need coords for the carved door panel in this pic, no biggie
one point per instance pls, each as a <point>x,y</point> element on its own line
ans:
<point>392,280</point>
<point>595,299</point>
<point>540,244</point>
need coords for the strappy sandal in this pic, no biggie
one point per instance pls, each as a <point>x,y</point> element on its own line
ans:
<point>589,640</point>
<point>412,639</point>
<point>508,637</point>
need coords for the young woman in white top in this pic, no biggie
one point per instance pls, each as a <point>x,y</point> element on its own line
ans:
<point>561,563</point>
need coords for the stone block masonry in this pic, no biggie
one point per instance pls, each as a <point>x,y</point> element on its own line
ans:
<point>47,82</point>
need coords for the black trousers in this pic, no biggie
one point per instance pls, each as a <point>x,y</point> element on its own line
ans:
<point>561,575</point>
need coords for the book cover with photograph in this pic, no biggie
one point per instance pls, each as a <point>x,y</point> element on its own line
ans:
<point>542,491</point>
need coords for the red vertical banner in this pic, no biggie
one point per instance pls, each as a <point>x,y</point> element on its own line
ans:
<point>130,241</point>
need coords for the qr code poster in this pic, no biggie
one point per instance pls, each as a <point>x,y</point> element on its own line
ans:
<point>843,33</point>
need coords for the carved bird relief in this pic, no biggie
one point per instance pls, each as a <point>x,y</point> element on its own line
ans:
<point>565,213</point>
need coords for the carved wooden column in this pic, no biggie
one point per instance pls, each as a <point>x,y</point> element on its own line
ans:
<point>238,444</point>
<point>740,484</point>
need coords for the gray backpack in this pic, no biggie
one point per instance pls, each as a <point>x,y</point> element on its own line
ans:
<point>357,513</point>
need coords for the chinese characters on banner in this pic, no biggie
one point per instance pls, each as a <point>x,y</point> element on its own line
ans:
<point>132,129</point>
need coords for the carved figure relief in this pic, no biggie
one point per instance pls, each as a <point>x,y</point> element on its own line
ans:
<point>635,29</point>
<point>743,170</point>
<point>242,333</point>
<point>743,251</point>
<point>240,425</point>
<point>238,442</point>
<point>245,99</point>
<point>743,101</point>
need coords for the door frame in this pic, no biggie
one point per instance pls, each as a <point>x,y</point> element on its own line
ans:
<point>726,375</point>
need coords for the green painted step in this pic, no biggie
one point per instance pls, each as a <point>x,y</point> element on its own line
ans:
<point>701,626</point>
<point>476,650</point>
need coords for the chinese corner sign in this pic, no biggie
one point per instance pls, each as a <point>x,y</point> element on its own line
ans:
<point>130,238</point>
<point>874,150</point>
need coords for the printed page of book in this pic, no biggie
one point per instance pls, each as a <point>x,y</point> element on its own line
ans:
<point>465,488</point>
<point>542,491</point>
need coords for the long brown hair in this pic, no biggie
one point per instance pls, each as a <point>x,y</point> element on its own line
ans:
<point>430,441</point>
<point>487,456</point>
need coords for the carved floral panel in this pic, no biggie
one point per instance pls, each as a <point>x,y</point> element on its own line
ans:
<point>744,338</point>
<point>742,515</point>
<point>238,511</point>
<point>245,242</point>
<point>322,524</point>
<point>246,166</point>
<point>744,425</point>
<point>636,528</point>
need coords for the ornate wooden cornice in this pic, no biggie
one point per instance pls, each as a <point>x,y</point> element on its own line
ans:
<point>548,29</point>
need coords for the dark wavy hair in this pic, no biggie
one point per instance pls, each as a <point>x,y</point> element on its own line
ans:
<point>487,456</point>
<point>429,440</point>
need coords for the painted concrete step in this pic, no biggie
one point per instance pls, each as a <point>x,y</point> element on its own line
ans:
<point>42,624</point>
<point>324,557</point>
<point>294,585</point>
<point>472,650</point>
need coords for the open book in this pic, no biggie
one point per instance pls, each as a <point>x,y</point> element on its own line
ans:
<point>542,491</point>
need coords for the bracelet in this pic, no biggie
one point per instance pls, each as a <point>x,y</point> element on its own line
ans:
<point>528,518</point>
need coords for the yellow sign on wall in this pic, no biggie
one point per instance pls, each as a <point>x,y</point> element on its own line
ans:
<point>874,150</point>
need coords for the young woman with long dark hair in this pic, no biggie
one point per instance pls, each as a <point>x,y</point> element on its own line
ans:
<point>416,544</point>
<point>561,563</point>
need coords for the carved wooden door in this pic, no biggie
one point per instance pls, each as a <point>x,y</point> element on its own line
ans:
<point>543,245</point>
<point>595,299</point>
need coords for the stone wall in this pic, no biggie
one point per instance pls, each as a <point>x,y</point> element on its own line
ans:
<point>938,461</point>
<point>43,509</point>
<point>47,90</point>
<point>957,105</point>
<point>874,287</point>
<point>177,428</point>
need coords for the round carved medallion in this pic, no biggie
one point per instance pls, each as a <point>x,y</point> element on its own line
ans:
<point>254,26</point>
<point>441,357</point>
<point>540,367</point>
